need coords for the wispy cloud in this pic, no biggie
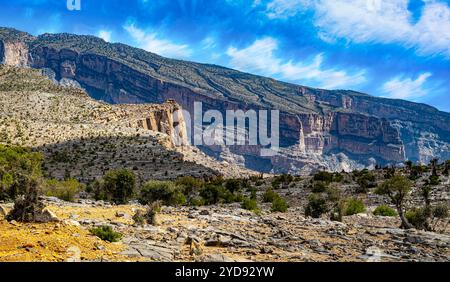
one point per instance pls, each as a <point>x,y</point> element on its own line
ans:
<point>407,88</point>
<point>151,42</point>
<point>260,58</point>
<point>105,35</point>
<point>283,9</point>
<point>375,21</point>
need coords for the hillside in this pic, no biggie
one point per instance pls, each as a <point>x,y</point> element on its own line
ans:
<point>319,128</point>
<point>89,138</point>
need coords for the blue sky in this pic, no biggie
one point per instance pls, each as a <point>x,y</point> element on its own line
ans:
<point>389,48</point>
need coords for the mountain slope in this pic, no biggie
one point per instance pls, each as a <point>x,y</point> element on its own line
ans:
<point>319,128</point>
<point>88,138</point>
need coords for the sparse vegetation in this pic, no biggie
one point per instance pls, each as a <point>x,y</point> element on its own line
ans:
<point>65,190</point>
<point>106,233</point>
<point>165,191</point>
<point>117,186</point>
<point>384,210</point>
<point>397,189</point>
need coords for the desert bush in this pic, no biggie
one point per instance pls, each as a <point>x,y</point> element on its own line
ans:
<point>165,191</point>
<point>397,189</point>
<point>189,184</point>
<point>210,194</point>
<point>319,187</point>
<point>417,217</point>
<point>17,164</point>
<point>269,196</point>
<point>284,179</point>
<point>323,176</point>
<point>317,205</point>
<point>365,182</point>
<point>150,215</point>
<point>139,218</point>
<point>117,186</point>
<point>250,204</point>
<point>64,190</point>
<point>434,180</point>
<point>279,205</point>
<point>106,233</point>
<point>233,185</point>
<point>354,206</point>
<point>384,210</point>
<point>27,205</point>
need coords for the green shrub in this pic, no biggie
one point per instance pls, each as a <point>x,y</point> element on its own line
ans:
<point>441,211</point>
<point>269,196</point>
<point>210,194</point>
<point>338,177</point>
<point>233,185</point>
<point>117,186</point>
<point>139,218</point>
<point>323,176</point>
<point>250,204</point>
<point>196,202</point>
<point>354,206</point>
<point>317,205</point>
<point>106,234</point>
<point>319,187</point>
<point>226,195</point>
<point>384,210</point>
<point>279,205</point>
<point>17,164</point>
<point>434,180</point>
<point>365,181</point>
<point>417,217</point>
<point>27,205</point>
<point>64,190</point>
<point>151,213</point>
<point>189,184</point>
<point>165,191</point>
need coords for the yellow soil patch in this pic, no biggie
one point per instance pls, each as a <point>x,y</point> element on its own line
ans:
<point>53,242</point>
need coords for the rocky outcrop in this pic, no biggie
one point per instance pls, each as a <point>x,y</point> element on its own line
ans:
<point>14,54</point>
<point>313,122</point>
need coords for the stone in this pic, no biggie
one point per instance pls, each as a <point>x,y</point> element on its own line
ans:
<point>121,214</point>
<point>46,216</point>
<point>204,212</point>
<point>72,222</point>
<point>3,211</point>
<point>73,254</point>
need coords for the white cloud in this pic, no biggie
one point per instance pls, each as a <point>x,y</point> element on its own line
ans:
<point>151,42</point>
<point>260,58</point>
<point>375,21</point>
<point>105,35</point>
<point>209,42</point>
<point>283,9</point>
<point>407,88</point>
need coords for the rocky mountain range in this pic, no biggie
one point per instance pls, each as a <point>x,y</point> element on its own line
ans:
<point>319,129</point>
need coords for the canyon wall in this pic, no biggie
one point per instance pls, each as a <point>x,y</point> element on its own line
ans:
<point>332,130</point>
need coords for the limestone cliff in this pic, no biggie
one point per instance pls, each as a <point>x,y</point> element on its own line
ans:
<point>316,125</point>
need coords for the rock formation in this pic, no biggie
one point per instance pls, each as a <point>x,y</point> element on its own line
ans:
<point>316,125</point>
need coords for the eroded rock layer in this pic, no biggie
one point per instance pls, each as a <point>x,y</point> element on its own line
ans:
<point>316,126</point>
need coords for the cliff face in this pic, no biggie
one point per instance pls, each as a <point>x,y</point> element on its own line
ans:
<point>315,125</point>
<point>14,54</point>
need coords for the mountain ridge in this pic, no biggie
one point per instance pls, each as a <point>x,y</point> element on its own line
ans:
<point>315,124</point>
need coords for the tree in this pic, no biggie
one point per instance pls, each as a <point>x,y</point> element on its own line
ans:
<point>27,207</point>
<point>119,185</point>
<point>397,189</point>
<point>433,163</point>
<point>165,191</point>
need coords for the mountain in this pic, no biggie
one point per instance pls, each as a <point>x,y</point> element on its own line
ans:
<point>319,129</point>
<point>87,138</point>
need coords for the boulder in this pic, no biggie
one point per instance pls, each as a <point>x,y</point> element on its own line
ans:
<point>46,216</point>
